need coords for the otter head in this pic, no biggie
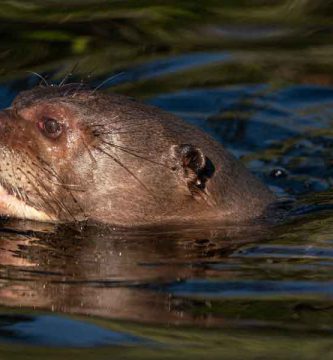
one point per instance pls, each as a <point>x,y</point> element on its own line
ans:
<point>43,142</point>
<point>71,154</point>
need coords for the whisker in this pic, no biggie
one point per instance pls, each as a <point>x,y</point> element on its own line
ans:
<point>61,204</point>
<point>46,201</point>
<point>107,80</point>
<point>113,118</point>
<point>132,152</point>
<point>124,167</point>
<point>106,129</point>
<point>89,151</point>
<point>69,74</point>
<point>78,87</point>
<point>39,76</point>
<point>116,132</point>
<point>52,173</point>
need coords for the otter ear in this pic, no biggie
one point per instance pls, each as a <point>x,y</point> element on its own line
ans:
<point>197,167</point>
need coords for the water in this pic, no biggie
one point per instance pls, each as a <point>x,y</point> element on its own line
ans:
<point>256,75</point>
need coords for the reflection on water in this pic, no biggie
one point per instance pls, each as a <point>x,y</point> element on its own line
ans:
<point>255,75</point>
<point>111,274</point>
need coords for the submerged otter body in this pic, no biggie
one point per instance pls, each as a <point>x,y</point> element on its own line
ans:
<point>72,154</point>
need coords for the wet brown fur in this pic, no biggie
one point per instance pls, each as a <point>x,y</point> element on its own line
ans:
<point>120,161</point>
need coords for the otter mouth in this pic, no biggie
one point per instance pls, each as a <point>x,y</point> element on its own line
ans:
<point>11,206</point>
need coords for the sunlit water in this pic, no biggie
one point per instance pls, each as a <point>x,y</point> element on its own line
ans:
<point>261,87</point>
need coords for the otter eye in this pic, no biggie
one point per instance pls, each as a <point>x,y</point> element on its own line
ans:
<point>50,127</point>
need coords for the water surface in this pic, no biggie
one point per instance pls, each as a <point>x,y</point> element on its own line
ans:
<point>257,76</point>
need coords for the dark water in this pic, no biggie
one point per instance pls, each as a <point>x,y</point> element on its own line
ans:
<point>256,75</point>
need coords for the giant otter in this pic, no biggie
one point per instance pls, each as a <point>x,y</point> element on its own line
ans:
<point>74,154</point>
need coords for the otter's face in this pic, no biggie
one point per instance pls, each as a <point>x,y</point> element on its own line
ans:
<point>38,141</point>
<point>70,154</point>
